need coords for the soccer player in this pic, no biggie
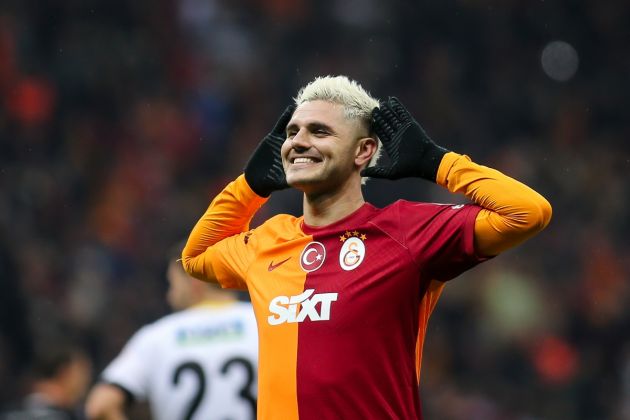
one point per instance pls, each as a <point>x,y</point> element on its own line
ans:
<point>198,363</point>
<point>343,293</point>
<point>59,377</point>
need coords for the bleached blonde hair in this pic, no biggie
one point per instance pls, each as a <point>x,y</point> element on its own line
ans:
<point>357,103</point>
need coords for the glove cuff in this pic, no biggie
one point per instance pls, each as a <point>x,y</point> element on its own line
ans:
<point>431,162</point>
<point>254,186</point>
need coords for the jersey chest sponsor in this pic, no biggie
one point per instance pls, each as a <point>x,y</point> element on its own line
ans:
<point>309,305</point>
<point>301,307</point>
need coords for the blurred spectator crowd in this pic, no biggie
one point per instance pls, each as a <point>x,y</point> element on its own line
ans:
<point>120,120</point>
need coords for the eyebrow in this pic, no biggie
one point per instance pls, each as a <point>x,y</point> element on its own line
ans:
<point>311,127</point>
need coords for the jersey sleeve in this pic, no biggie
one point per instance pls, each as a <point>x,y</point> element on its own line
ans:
<point>512,211</point>
<point>440,237</point>
<point>131,368</point>
<point>231,259</point>
<point>228,214</point>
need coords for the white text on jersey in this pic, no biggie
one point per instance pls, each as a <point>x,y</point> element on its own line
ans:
<point>298,308</point>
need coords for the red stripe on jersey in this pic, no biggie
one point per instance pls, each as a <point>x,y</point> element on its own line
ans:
<point>362,362</point>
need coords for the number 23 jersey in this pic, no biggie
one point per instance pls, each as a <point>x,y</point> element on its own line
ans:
<point>342,309</point>
<point>199,363</point>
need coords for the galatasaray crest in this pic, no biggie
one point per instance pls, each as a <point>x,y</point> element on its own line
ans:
<point>352,251</point>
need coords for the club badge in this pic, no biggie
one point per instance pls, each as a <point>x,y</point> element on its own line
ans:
<point>352,251</point>
<point>313,256</point>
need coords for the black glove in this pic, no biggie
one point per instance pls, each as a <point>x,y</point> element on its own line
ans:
<point>412,152</point>
<point>264,172</point>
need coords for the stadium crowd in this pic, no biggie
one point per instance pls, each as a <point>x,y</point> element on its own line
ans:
<point>117,118</point>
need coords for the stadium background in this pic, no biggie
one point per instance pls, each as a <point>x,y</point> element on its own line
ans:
<point>119,120</point>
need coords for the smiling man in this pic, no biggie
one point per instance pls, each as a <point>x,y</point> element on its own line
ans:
<point>343,293</point>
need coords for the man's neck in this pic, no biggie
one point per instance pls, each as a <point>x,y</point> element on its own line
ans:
<point>324,209</point>
<point>216,295</point>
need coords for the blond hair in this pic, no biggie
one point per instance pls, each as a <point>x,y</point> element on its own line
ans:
<point>357,103</point>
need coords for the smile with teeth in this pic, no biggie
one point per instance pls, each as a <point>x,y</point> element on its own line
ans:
<point>301,160</point>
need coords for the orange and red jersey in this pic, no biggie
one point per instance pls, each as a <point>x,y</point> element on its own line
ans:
<point>342,310</point>
<point>339,308</point>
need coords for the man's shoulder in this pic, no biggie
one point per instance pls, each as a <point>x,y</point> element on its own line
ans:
<point>151,331</point>
<point>34,406</point>
<point>169,327</point>
<point>281,219</point>
<point>212,309</point>
<point>161,325</point>
<point>281,225</point>
<point>37,413</point>
<point>403,208</point>
<point>205,314</point>
<point>396,218</point>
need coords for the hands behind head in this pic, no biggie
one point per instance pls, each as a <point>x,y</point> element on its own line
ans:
<point>412,152</point>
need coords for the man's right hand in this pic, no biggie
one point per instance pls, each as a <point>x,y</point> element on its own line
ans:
<point>264,171</point>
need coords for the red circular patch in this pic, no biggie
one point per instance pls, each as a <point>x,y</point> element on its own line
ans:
<point>313,256</point>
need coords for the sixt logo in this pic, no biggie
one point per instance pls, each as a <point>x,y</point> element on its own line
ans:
<point>298,308</point>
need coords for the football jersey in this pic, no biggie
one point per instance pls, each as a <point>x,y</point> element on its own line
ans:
<point>342,309</point>
<point>199,363</point>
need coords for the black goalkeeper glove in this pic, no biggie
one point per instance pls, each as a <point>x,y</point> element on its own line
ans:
<point>412,152</point>
<point>264,172</point>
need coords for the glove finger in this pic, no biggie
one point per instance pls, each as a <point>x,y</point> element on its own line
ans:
<point>385,123</point>
<point>381,126</point>
<point>385,135</point>
<point>390,115</point>
<point>402,113</point>
<point>281,124</point>
<point>399,109</point>
<point>275,143</point>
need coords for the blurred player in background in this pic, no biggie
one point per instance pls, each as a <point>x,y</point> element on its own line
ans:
<point>58,378</point>
<point>343,293</point>
<point>198,363</point>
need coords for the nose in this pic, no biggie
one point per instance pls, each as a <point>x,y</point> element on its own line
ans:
<point>301,140</point>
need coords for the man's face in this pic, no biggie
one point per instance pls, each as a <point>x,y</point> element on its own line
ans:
<point>321,146</point>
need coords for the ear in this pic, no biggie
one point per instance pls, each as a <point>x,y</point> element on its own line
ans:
<point>366,147</point>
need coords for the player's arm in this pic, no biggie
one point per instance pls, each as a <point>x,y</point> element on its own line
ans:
<point>232,210</point>
<point>512,212</point>
<point>229,214</point>
<point>106,402</point>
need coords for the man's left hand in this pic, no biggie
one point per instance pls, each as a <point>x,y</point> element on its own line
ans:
<point>412,152</point>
